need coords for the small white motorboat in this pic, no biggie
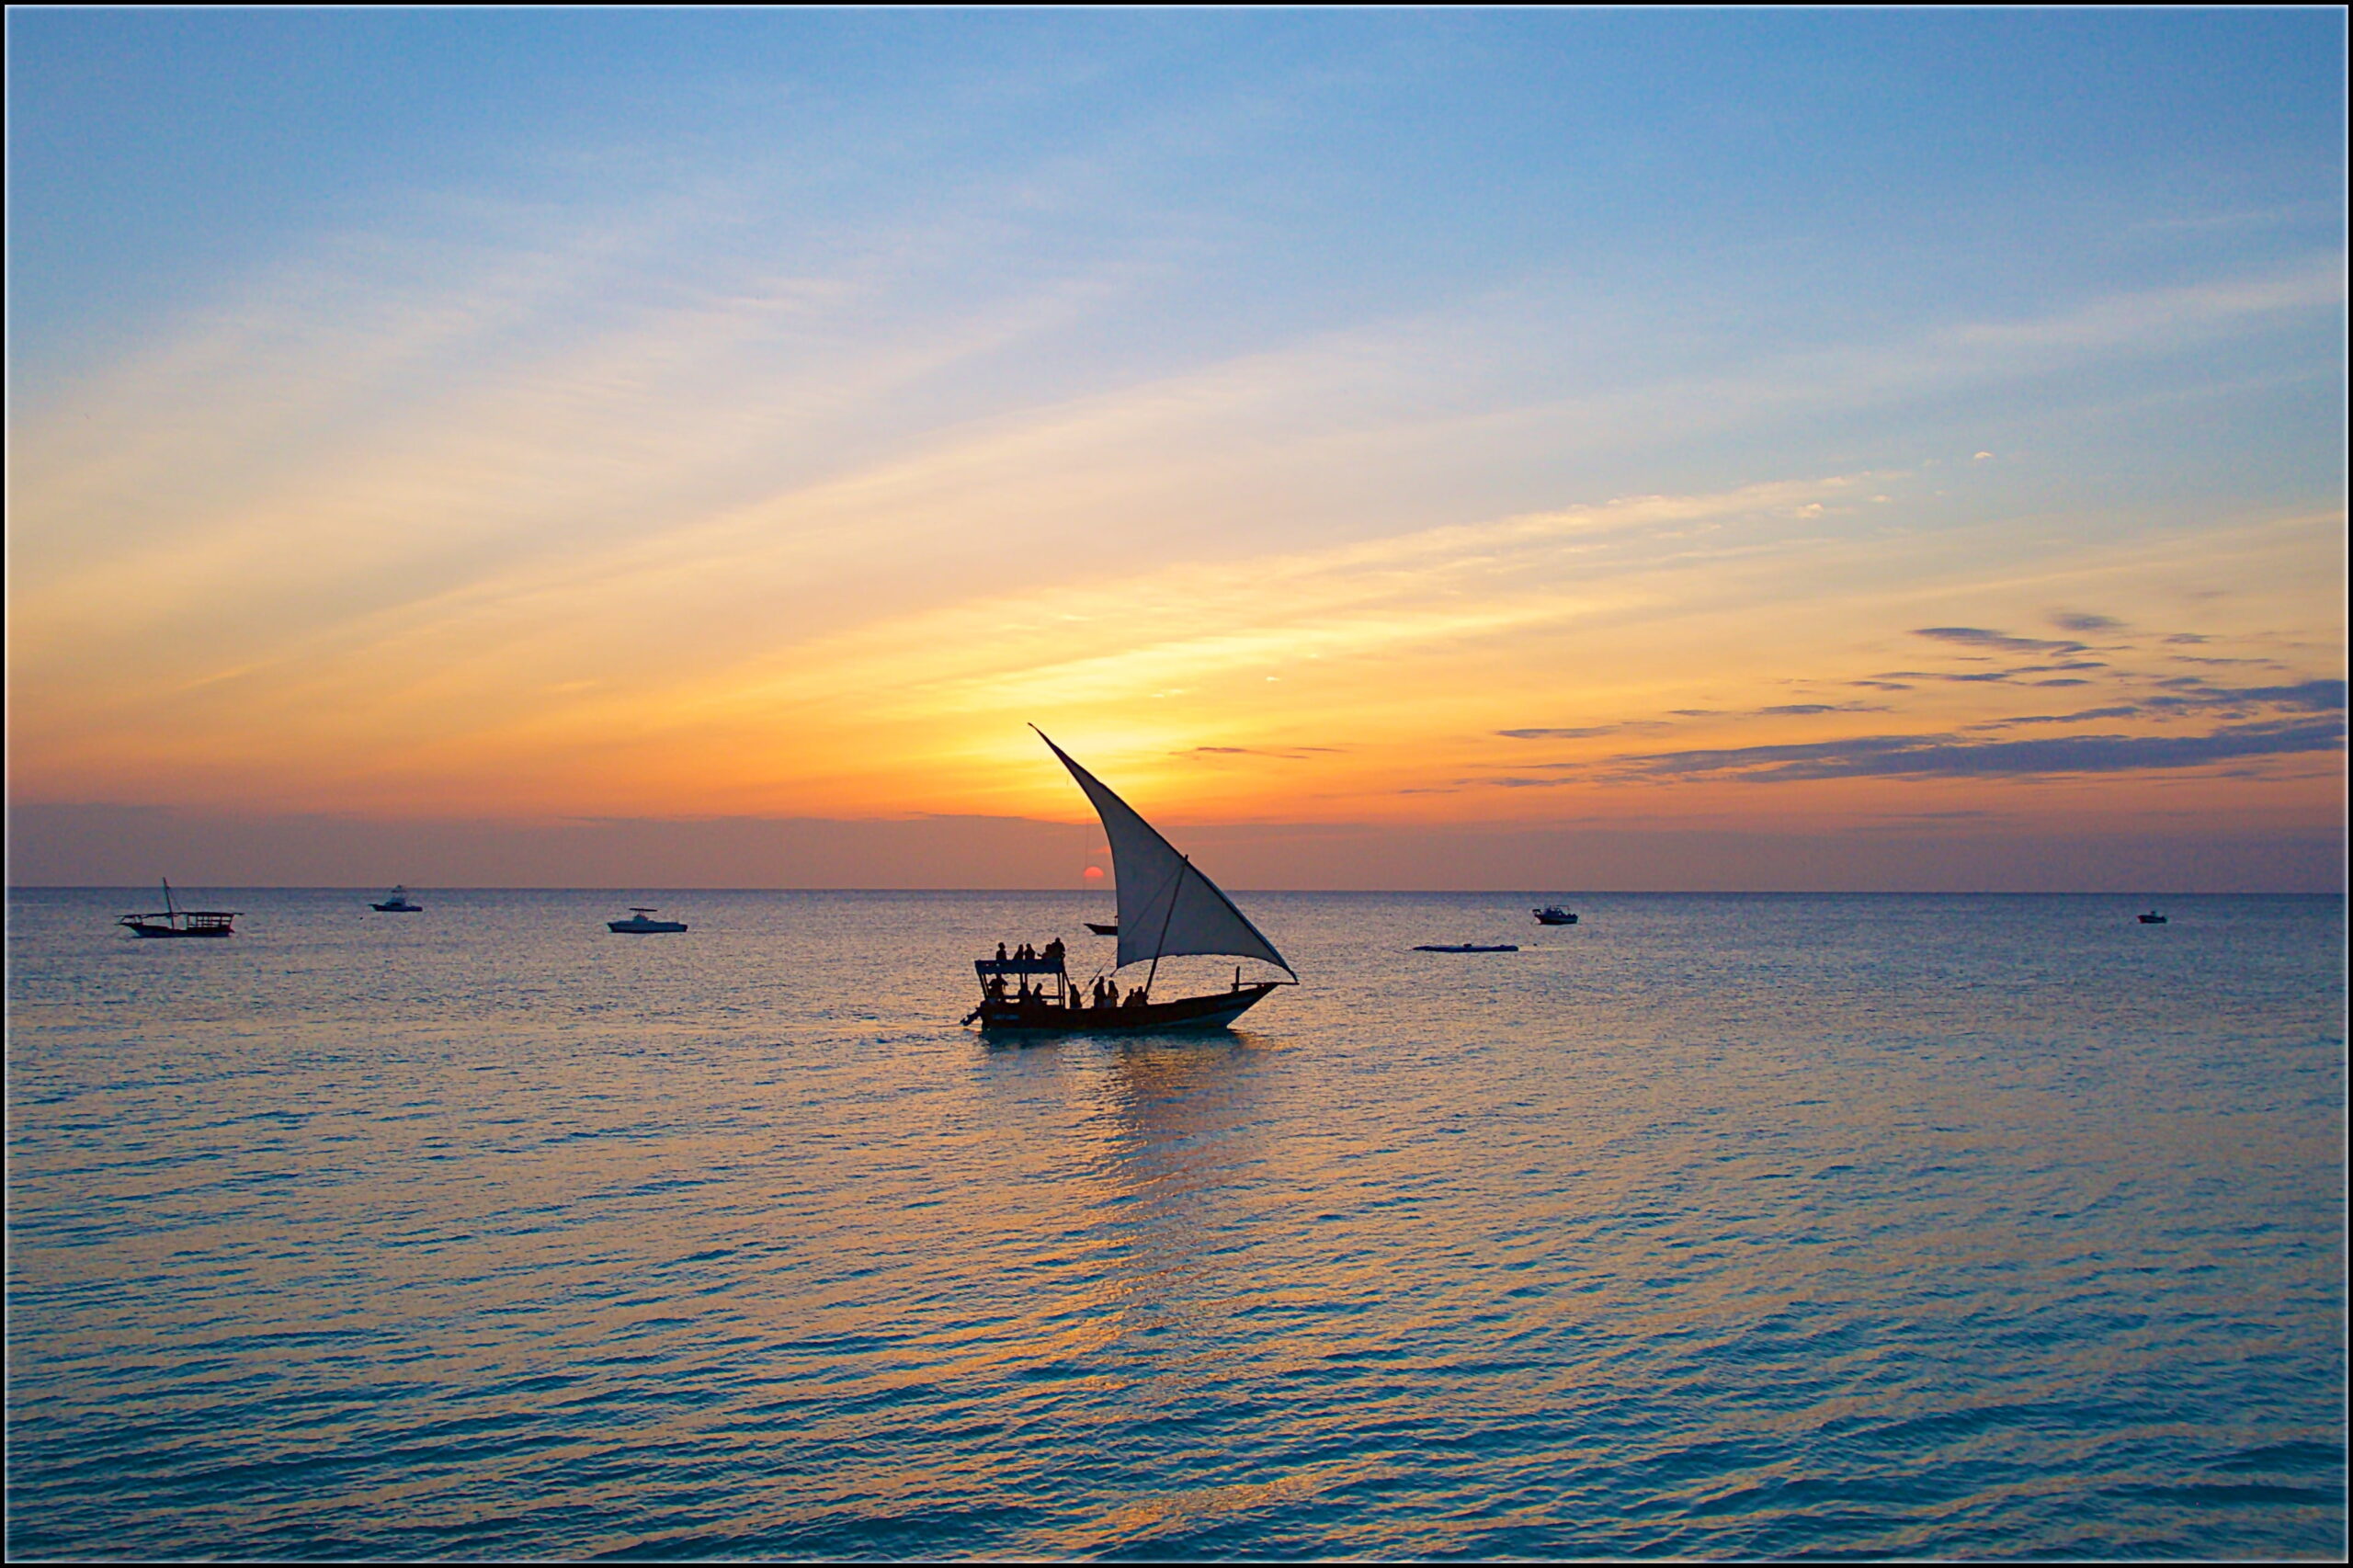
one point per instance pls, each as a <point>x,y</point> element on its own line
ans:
<point>641,923</point>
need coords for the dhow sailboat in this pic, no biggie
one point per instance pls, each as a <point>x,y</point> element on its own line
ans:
<point>173,921</point>
<point>1167,909</point>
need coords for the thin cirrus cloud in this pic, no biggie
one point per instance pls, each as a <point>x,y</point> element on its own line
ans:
<point>1280,754</point>
<point>1583,732</point>
<point>577,435</point>
<point>2311,696</point>
<point>1945,756</point>
<point>2126,710</point>
<point>1978,637</point>
<point>1982,677</point>
<point>1641,726</point>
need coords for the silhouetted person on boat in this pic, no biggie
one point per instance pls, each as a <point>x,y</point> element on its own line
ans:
<point>1000,952</point>
<point>1054,950</point>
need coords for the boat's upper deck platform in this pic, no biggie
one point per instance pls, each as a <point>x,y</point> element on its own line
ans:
<point>986,967</point>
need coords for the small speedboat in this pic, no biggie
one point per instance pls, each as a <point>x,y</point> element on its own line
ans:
<point>397,902</point>
<point>2152,918</point>
<point>641,923</point>
<point>1553,914</point>
<point>1467,948</point>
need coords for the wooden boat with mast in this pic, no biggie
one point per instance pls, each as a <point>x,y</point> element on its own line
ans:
<point>1167,909</point>
<point>173,921</point>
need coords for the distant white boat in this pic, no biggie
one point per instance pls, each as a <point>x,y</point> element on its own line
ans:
<point>397,902</point>
<point>641,923</point>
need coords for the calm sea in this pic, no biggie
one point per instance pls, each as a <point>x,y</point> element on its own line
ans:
<point>1714,1226</point>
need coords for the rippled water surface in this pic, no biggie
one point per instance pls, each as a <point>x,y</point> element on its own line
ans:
<point>1759,1226</point>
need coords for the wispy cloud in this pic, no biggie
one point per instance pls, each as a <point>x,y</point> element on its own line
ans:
<point>1978,637</point>
<point>2128,711</point>
<point>2310,696</point>
<point>1949,755</point>
<point>1585,732</point>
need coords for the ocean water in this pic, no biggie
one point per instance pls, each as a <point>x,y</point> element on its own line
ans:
<point>1766,1226</point>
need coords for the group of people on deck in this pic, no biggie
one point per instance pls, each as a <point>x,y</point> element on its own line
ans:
<point>1107,994</point>
<point>1051,953</point>
<point>1103,994</point>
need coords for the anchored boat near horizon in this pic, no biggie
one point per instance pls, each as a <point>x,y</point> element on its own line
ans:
<point>641,923</point>
<point>173,921</point>
<point>1167,909</point>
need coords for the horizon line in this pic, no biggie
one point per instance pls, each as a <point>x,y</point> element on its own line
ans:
<point>1325,892</point>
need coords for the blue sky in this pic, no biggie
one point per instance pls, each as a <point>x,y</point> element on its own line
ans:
<point>1818,171</point>
<point>1712,354</point>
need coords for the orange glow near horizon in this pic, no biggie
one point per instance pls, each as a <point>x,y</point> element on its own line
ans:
<point>1571,665</point>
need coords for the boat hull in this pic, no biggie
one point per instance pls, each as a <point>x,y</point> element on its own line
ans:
<point>1214,1011</point>
<point>650,928</point>
<point>171,931</point>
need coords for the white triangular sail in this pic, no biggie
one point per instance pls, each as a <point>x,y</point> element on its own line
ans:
<point>1166,907</point>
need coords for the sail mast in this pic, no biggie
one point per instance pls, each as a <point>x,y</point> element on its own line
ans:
<point>1162,940</point>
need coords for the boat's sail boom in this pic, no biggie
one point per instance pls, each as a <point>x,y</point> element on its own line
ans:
<point>1166,907</point>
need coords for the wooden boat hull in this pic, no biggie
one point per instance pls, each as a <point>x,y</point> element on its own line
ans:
<point>1214,1011</point>
<point>176,931</point>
